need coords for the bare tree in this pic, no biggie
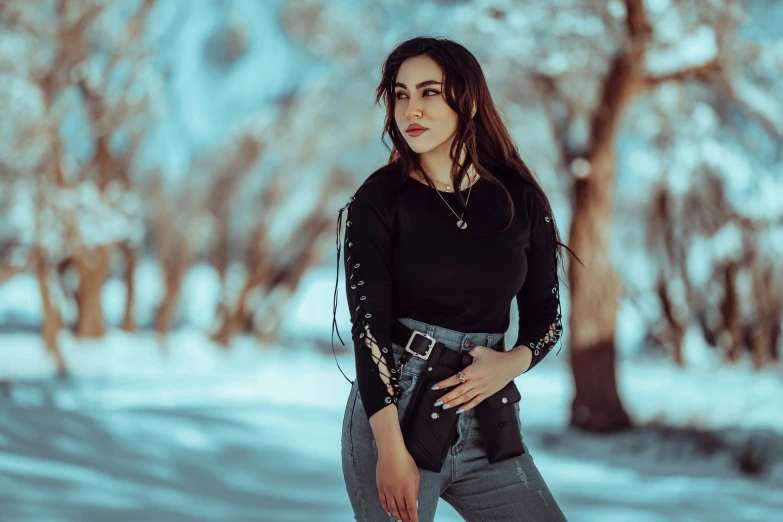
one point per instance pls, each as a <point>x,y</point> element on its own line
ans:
<point>85,206</point>
<point>644,50</point>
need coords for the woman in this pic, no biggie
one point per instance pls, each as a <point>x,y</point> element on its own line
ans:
<point>446,263</point>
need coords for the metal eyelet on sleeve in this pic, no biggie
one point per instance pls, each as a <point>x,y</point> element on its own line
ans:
<point>382,365</point>
<point>555,329</point>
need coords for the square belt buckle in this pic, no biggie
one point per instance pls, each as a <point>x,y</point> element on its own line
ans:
<point>417,354</point>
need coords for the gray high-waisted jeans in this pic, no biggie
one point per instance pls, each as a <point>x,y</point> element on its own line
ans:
<point>508,490</point>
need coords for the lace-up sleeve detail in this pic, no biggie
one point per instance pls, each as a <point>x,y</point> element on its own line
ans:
<point>368,280</point>
<point>540,325</point>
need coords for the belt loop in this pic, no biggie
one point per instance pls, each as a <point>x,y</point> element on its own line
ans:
<point>489,341</point>
<point>430,330</point>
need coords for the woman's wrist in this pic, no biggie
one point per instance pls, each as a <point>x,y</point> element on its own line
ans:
<point>521,358</point>
<point>386,430</point>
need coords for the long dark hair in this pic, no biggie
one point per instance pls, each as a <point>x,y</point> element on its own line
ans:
<point>487,143</point>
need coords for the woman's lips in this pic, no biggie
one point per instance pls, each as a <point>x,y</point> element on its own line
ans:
<point>416,132</point>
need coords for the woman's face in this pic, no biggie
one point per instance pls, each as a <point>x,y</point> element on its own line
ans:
<point>419,100</point>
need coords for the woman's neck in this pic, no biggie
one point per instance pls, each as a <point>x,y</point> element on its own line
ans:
<point>437,164</point>
<point>445,181</point>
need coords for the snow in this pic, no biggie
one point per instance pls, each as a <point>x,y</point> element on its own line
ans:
<point>181,429</point>
<point>141,433</point>
<point>696,48</point>
<point>759,101</point>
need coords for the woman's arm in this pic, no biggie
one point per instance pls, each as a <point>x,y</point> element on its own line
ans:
<point>368,274</point>
<point>538,300</point>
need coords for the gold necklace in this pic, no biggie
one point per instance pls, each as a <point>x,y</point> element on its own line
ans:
<point>461,223</point>
<point>448,187</point>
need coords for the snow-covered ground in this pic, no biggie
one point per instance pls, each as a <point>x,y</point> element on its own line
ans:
<point>181,429</point>
<point>146,429</point>
<point>254,434</point>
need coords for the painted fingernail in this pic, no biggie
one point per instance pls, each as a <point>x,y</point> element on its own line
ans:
<point>438,403</point>
<point>446,406</point>
<point>435,388</point>
<point>460,411</point>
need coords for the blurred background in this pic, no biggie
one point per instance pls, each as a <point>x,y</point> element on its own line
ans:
<point>170,177</point>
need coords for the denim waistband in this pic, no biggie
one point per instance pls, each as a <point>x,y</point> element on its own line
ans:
<point>460,342</point>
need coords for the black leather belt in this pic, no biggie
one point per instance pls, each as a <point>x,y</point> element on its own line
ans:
<point>426,347</point>
<point>418,344</point>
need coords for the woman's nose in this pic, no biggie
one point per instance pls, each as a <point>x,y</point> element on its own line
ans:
<point>412,110</point>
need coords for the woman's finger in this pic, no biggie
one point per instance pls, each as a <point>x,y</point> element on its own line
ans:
<point>447,382</point>
<point>472,404</point>
<point>410,507</point>
<point>384,502</point>
<point>394,506</point>
<point>458,396</point>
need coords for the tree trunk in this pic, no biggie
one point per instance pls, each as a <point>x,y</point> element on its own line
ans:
<point>594,302</point>
<point>129,254</point>
<point>267,329</point>
<point>675,332</point>
<point>774,342</point>
<point>93,267</point>
<point>52,321</point>
<point>168,307</point>
<point>767,306</point>
<point>595,289</point>
<point>731,315</point>
<point>232,318</point>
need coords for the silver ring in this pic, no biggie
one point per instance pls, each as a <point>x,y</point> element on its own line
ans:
<point>461,376</point>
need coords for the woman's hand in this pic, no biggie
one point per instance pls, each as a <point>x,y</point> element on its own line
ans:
<point>488,373</point>
<point>397,478</point>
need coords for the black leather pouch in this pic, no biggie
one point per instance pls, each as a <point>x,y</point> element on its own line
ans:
<point>429,431</point>
<point>499,424</point>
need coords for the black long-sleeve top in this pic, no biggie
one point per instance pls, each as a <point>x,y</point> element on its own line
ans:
<point>406,257</point>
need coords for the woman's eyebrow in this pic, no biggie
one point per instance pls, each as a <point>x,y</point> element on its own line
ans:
<point>418,85</point>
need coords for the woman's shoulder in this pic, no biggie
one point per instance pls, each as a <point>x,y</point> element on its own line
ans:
<point>527,196</point>
<point>522,190</point>
<point>380,187</point>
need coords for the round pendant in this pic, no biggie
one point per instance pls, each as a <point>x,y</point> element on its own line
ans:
<point>462,224</point>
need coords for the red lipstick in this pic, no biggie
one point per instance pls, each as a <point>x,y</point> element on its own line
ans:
<point>415,129</point>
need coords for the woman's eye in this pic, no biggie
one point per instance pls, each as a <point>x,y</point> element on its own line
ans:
<point>397,96</point>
